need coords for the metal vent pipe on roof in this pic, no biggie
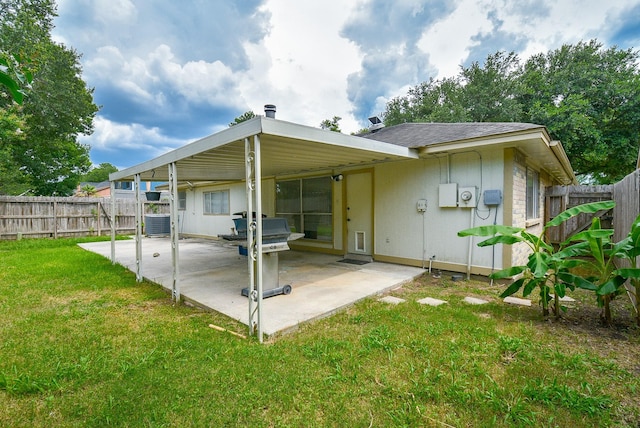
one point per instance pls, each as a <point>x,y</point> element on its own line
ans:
<point>270,110</point>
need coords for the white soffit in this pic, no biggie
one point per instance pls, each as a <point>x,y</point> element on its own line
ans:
<point>287,148</point>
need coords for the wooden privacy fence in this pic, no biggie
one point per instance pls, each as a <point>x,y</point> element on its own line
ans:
<point>560,198</point>
<point>625,193</point>
<point>54,217</point>
<point>627,196</point>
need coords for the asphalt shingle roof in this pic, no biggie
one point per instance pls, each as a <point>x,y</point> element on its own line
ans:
<point>414,135</point>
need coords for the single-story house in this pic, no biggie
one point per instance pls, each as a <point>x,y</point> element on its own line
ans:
<point>397,194</point>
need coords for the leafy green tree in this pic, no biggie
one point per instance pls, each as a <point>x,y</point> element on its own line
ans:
<point>60,106</point>
<point>12,126</point>
<point>99,173</point>
<point>588,97</point>
<point>431,101</point>
<point>12,77</point>
<point>243,118</point>
<point>489,91</point>
<point>331,124</point>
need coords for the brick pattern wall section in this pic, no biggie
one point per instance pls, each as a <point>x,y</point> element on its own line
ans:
<point>520,251</point>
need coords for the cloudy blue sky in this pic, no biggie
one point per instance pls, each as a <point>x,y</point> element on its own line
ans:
<point>168,72</point>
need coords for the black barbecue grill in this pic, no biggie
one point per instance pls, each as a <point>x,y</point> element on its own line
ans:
<point>275,235</point>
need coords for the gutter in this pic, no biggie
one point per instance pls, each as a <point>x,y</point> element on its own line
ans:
<point>561,155</point>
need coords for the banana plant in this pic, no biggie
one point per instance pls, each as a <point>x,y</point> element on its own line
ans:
<point>630,252</point>
<point>547,268</point>
<point>601,254</point>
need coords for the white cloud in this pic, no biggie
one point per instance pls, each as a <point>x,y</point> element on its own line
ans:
<point>149,79</point>
<point>114,12</point>
<point>568,22</point>
<point>117,137</point>
<point>449,41</point>
<point>162,69</point>
<point>302,65</point>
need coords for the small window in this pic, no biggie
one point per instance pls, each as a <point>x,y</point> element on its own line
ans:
<point>533,194</point>
<point>124,185</point>
<point>216,203</point>
<point>182,200</point>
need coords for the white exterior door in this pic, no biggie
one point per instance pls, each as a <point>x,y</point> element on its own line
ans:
<point>359,213</point>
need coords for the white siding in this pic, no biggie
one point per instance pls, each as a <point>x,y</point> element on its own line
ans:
<point>399,226</point>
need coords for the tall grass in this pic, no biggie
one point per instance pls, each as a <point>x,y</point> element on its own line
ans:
<point>83,344</point>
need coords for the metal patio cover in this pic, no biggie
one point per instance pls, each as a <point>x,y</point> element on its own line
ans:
<point>286,148</point>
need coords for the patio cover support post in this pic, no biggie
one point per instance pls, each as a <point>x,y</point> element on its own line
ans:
<point>173,208</point>
<point>138,238</point>
<point>254,240</point>
<point>250,259</point>
<point>258,220</point>
<point>113,221</point>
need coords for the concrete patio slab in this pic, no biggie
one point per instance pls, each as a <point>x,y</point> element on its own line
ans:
<point>213,273</point>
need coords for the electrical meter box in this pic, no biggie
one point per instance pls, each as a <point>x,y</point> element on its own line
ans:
<point>448,195</point>
<point>467,197</point>
<point>492,198</point>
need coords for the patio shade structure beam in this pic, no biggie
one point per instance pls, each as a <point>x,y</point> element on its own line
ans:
<point>113,221</point>
<point>175,250</point>
<point>138,228</point>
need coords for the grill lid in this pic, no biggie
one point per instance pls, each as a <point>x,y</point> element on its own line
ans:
<point>274,229</point>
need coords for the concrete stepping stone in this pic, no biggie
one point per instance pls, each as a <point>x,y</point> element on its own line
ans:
<point>391,300</point>
<point>475,301</point>
<point>564,299</point>
<point>431,301</point>
<point>517,301</point>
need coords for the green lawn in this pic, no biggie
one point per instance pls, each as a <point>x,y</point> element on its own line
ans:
<point>83,344</point>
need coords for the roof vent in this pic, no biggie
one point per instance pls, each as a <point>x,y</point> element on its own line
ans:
<point>270,110</point>
<point>376,124</point>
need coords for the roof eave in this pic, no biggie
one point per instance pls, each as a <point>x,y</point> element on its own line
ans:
<point>506,141</point>
<point>226,136</point>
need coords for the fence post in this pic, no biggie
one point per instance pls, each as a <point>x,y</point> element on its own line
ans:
<point>55,219</point>
<point>99,218</point>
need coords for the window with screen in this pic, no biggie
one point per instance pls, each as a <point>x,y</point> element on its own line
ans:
<point>533,194</point>
<point>306,203</point>
<point>182,200</point>
<point>216,203</point>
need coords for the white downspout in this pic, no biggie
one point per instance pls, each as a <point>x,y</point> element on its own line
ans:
<point>470,250</point>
